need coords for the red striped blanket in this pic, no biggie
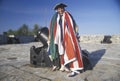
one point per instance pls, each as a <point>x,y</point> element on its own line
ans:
<point>69,42</point>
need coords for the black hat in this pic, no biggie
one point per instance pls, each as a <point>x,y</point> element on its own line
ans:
<point>59,5</point>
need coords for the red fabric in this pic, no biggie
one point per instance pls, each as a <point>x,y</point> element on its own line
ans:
<point>72,54</point>
<point>62,59</point>
<point>55,29</point>
<point>72,49</point>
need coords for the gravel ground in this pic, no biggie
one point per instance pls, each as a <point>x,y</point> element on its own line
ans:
<point>15,64</point>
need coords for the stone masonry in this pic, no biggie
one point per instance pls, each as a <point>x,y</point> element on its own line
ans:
<point>98,38</point>
<point>15,64</point>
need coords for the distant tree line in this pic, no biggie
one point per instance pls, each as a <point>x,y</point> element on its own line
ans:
<point>23,30</point>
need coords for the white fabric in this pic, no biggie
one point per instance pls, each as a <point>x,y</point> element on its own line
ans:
<point>57,39</point>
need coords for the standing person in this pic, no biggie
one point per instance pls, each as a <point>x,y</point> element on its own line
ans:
<point>62,33</point>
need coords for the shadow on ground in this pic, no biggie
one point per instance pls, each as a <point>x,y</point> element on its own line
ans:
<point>95,56</point>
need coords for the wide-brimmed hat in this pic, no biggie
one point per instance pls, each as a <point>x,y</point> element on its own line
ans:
<point>60,5</point>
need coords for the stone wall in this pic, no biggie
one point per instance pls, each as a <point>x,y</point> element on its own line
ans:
<point>26,39</point>
<point>99,38</point>
<point>3,39</point>
<point>11,39</point>
<point>115,39</point>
